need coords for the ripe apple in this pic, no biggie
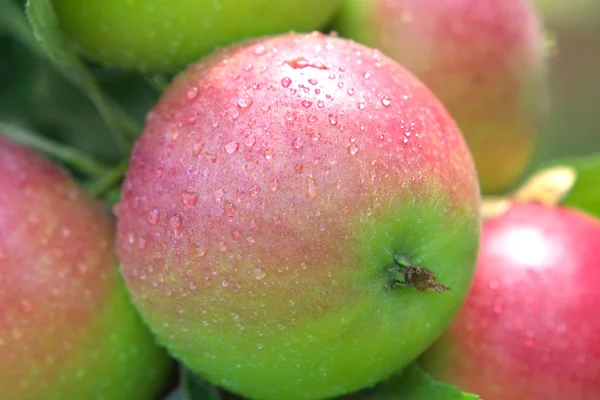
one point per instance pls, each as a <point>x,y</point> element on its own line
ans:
<point>287,198</point>
<point>166,35</point>
<point>530,328</point>
<point>483,59</point>
<point>67,327</point>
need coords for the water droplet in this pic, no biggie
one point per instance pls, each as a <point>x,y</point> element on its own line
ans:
<point>249,141</point>
<point>405,140</point>
<point>253,225</point>
<point>269,154</point>
<point>286,82</point>
<point>298,168</point>
<point>218,193</point>
<point>192,93</point>
<point>361,105</point>
<point>201,251</point>
<point>231,147</point>
<point>350,91</point>
<point>224,283</point>
<point>197,148</point>
<point>315,136</point>
<point>274,185</point>
<point>189,198</point>
<point>175,222</point>
<point>298,143</point>
<point>254,190</point>
<point>229,208</point>
<point>333,119</point>
<point>367,75</point>
<point>320,104</point>
<point>306,103</point>
<point>258,273</point>
<point>352,149</point>
<point>386,101</point>
<point>245,101</point>
<point>311,187</point>
<point>290,116</point>
<point>312,118</point>
<point>313,81</point>
<point>250,240</point>
<point>301,62</point>
<point>210,157</point>
<point>153,216</point>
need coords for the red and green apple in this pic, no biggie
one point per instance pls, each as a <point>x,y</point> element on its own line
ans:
<point>483,59</point>
<point>530,326</point>
<point>67,327</point>
<point>293,215</point>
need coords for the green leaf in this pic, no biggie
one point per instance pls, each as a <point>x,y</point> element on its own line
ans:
<point>585,194</point>
<point>48,41</point>
<point>75,159</point>
<point>412,384</point>
<point>194,388</point>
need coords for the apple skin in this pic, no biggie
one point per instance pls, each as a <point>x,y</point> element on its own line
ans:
<point>67,327</point>
<point>265,200</point>
<point>166,35</point>
<point>530,326</point>
<point>483,59</point>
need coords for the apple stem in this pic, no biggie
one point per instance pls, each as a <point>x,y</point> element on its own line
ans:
<point>420,278</point>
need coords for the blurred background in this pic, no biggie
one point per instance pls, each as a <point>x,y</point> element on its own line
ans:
<point>573,126</point>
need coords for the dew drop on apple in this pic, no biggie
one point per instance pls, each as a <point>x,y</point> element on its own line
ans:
<point>274,185</point>
<point>386,101</point>
<point>298,143</point>
<point>315,136</point>
<point>361,105</point>
<point>311,187</point>
<point>259,50</point>
<point>253,225</point>
<point>224,283</point>
<point>269,154</point>
<point>254,190</point>
<point>231,147</point>
<point>352,149</point>
<point>306,103</point>
<point>175,222</point>
<point>494,284</point>
<point>192,94</point>
<point>286,82</point>
<point>290,116</point>
<point>189,198</point>
<point>258,273</point>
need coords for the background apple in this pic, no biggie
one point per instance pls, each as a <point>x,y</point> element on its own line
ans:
<point>167,35</point>
<point>274,186</point>
<point>530,326</point>
<point>483,59</point>
<point>67,328</point>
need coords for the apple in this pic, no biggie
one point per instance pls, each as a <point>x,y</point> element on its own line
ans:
<point>67,326</point>
<point>530,326</point>
<point>292,215</point>
<point>166,35</point>
<point>483,59</point>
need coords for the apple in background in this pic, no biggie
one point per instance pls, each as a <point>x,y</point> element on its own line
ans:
<point>530,328</point>
<point>276,209</point>
<point>167,35</point>
<point>483,59</point>
<point>67,327</point>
